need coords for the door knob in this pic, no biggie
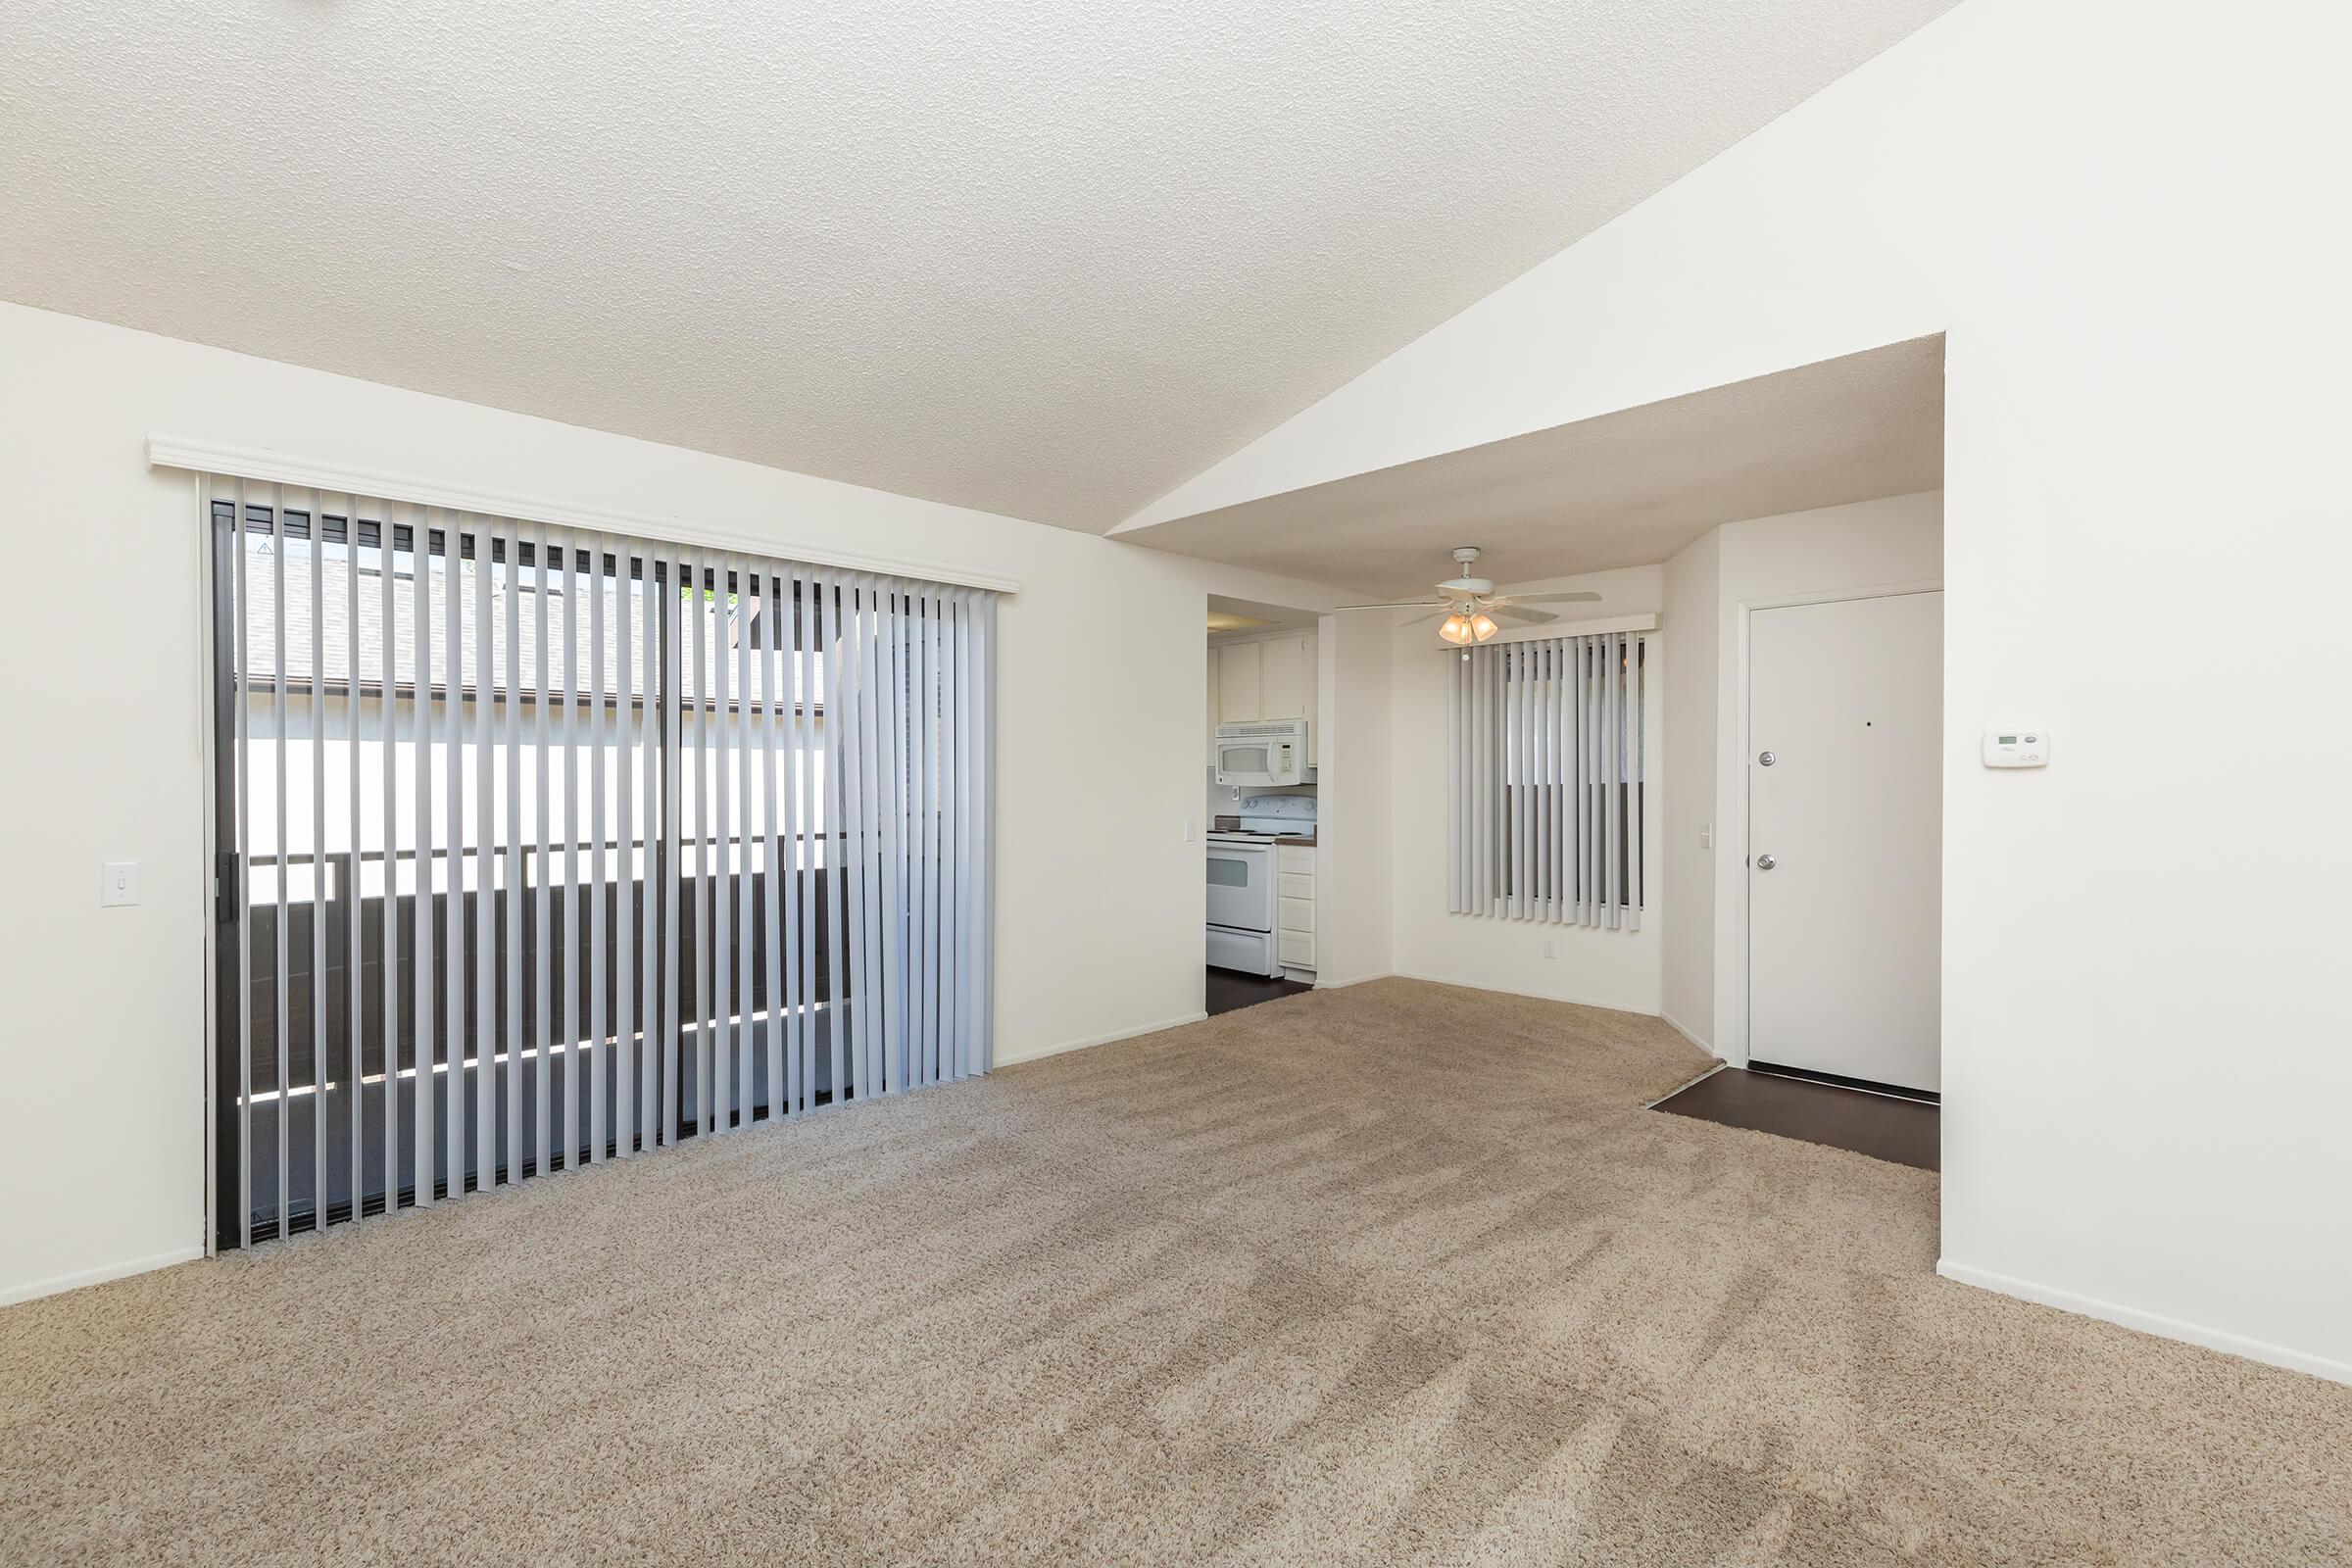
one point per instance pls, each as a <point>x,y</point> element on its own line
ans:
<point>1765,862</point>
<point>1766,757</point>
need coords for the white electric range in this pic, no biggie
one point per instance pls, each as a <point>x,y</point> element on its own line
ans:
<point>1241,881</point>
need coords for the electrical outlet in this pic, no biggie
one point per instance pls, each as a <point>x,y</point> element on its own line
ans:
<point>1188,830</point>
<point>1707,835</point>
<point>1551,949</point>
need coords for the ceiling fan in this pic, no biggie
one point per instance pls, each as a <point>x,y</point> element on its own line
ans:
<point>1472,609</point>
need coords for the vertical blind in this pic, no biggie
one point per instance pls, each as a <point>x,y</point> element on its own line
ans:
<point>542,846</point>
<point>1545,780</point>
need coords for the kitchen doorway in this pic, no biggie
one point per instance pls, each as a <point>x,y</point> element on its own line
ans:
<point>1267,693</point>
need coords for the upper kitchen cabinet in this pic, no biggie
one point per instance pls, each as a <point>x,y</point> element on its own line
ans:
<point>1261,676</point>
<point>1286,677</point>
<point>1238,684</point>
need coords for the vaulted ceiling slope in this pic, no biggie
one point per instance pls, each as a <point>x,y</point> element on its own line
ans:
<point>1038,257</point>
<point>1625,488</point>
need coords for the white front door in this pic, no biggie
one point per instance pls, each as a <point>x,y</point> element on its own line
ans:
<point>1845,838</point>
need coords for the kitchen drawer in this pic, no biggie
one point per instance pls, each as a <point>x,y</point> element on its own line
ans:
<point>1297,948</point>
<point>1296,914</point>
<point>1291,885</point>
<point>1298,857</point>
<point>1250,951</point>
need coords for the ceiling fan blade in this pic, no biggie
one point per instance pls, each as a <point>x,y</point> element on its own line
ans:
<point>1418,620</point>
<point>1392,603</point>
<point>1553,599</point>
<point>1526,617</point>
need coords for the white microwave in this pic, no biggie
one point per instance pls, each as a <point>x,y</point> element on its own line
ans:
<point>1269,751</point>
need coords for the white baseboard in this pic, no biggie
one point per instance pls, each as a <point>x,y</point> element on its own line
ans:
<point>1687,1032</point>
<point>1324,982</point>
<point>2131,1317</point>
<point>1539,996</point>
<point>14,1294</point>
<point>1099,1039</point>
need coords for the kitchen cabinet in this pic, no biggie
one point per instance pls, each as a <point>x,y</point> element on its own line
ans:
<point>1295,907</point>
<point>1265,677</point>
<point>1240,688</point>
<point>1286,677</point>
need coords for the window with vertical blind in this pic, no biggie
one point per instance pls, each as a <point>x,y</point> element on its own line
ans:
<point>1546,786</point>
<point>542,846</point>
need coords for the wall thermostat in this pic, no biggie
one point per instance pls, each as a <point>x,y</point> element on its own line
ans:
<point>2018,746</point>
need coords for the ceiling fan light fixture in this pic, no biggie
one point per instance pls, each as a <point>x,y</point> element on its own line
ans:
<point>1481,626</point>
<point>1458,629</point>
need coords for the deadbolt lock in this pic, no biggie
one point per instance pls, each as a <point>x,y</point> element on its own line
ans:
<point>1765,862</point>
<point>1767,759</point>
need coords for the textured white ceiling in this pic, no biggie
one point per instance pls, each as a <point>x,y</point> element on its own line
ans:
<point>1041,257</point>
<point>1624,489</point>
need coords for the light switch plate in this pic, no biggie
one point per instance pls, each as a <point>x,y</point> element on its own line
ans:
<point>118,884</point>
<point>2017,746</point>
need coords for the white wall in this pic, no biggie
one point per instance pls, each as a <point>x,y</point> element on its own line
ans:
<point>1100,898</point>
<point>1601,967</point>
<point>1687,742</point>
<point>2131,218</point>
<point>1355,809</point>
<point>1875,544</point>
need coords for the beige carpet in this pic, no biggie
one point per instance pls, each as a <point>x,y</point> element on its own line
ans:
<point>1393,1274</point>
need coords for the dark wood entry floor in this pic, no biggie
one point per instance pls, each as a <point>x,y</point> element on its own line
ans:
<point>1228,990</point>
<point>1904,1131</point>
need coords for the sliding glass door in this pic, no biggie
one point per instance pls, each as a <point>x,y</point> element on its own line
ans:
<point>543,846</point>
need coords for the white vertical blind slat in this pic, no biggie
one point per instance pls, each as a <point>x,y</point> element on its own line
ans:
<point>626,1009</point>
<point>794,693</point>
<point>777,618</point>
<point>453,815</point>
<point>653,864</point>
<point>569,1026</point>
<point>241,613</point>
<point>543,1032</point>
<point>1586,904</point>
<point>599,711</point>
<point>283,1125</point>
<point>967,826</point>
<point>934,846</point>
<point>510,1043</point>
<point>1528,739</point>
<point>984,808</point>
<point>354,1051</point>
<point>721,880</point>
<point>831,596</point>
<point>857,804</point>
<point>421,934</point>
<point>1612,764</point>
<point>1482,763</point>
<point>485,863</point>
<point>1563,778</point>
<point>1455,752</point>
<point>318,811</point>
<point>694,988</point>
<point>747,968</point>
<point>1632,794</point>
<point>890,715</point>
<point>672,752</point>
<point>951,812</point>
